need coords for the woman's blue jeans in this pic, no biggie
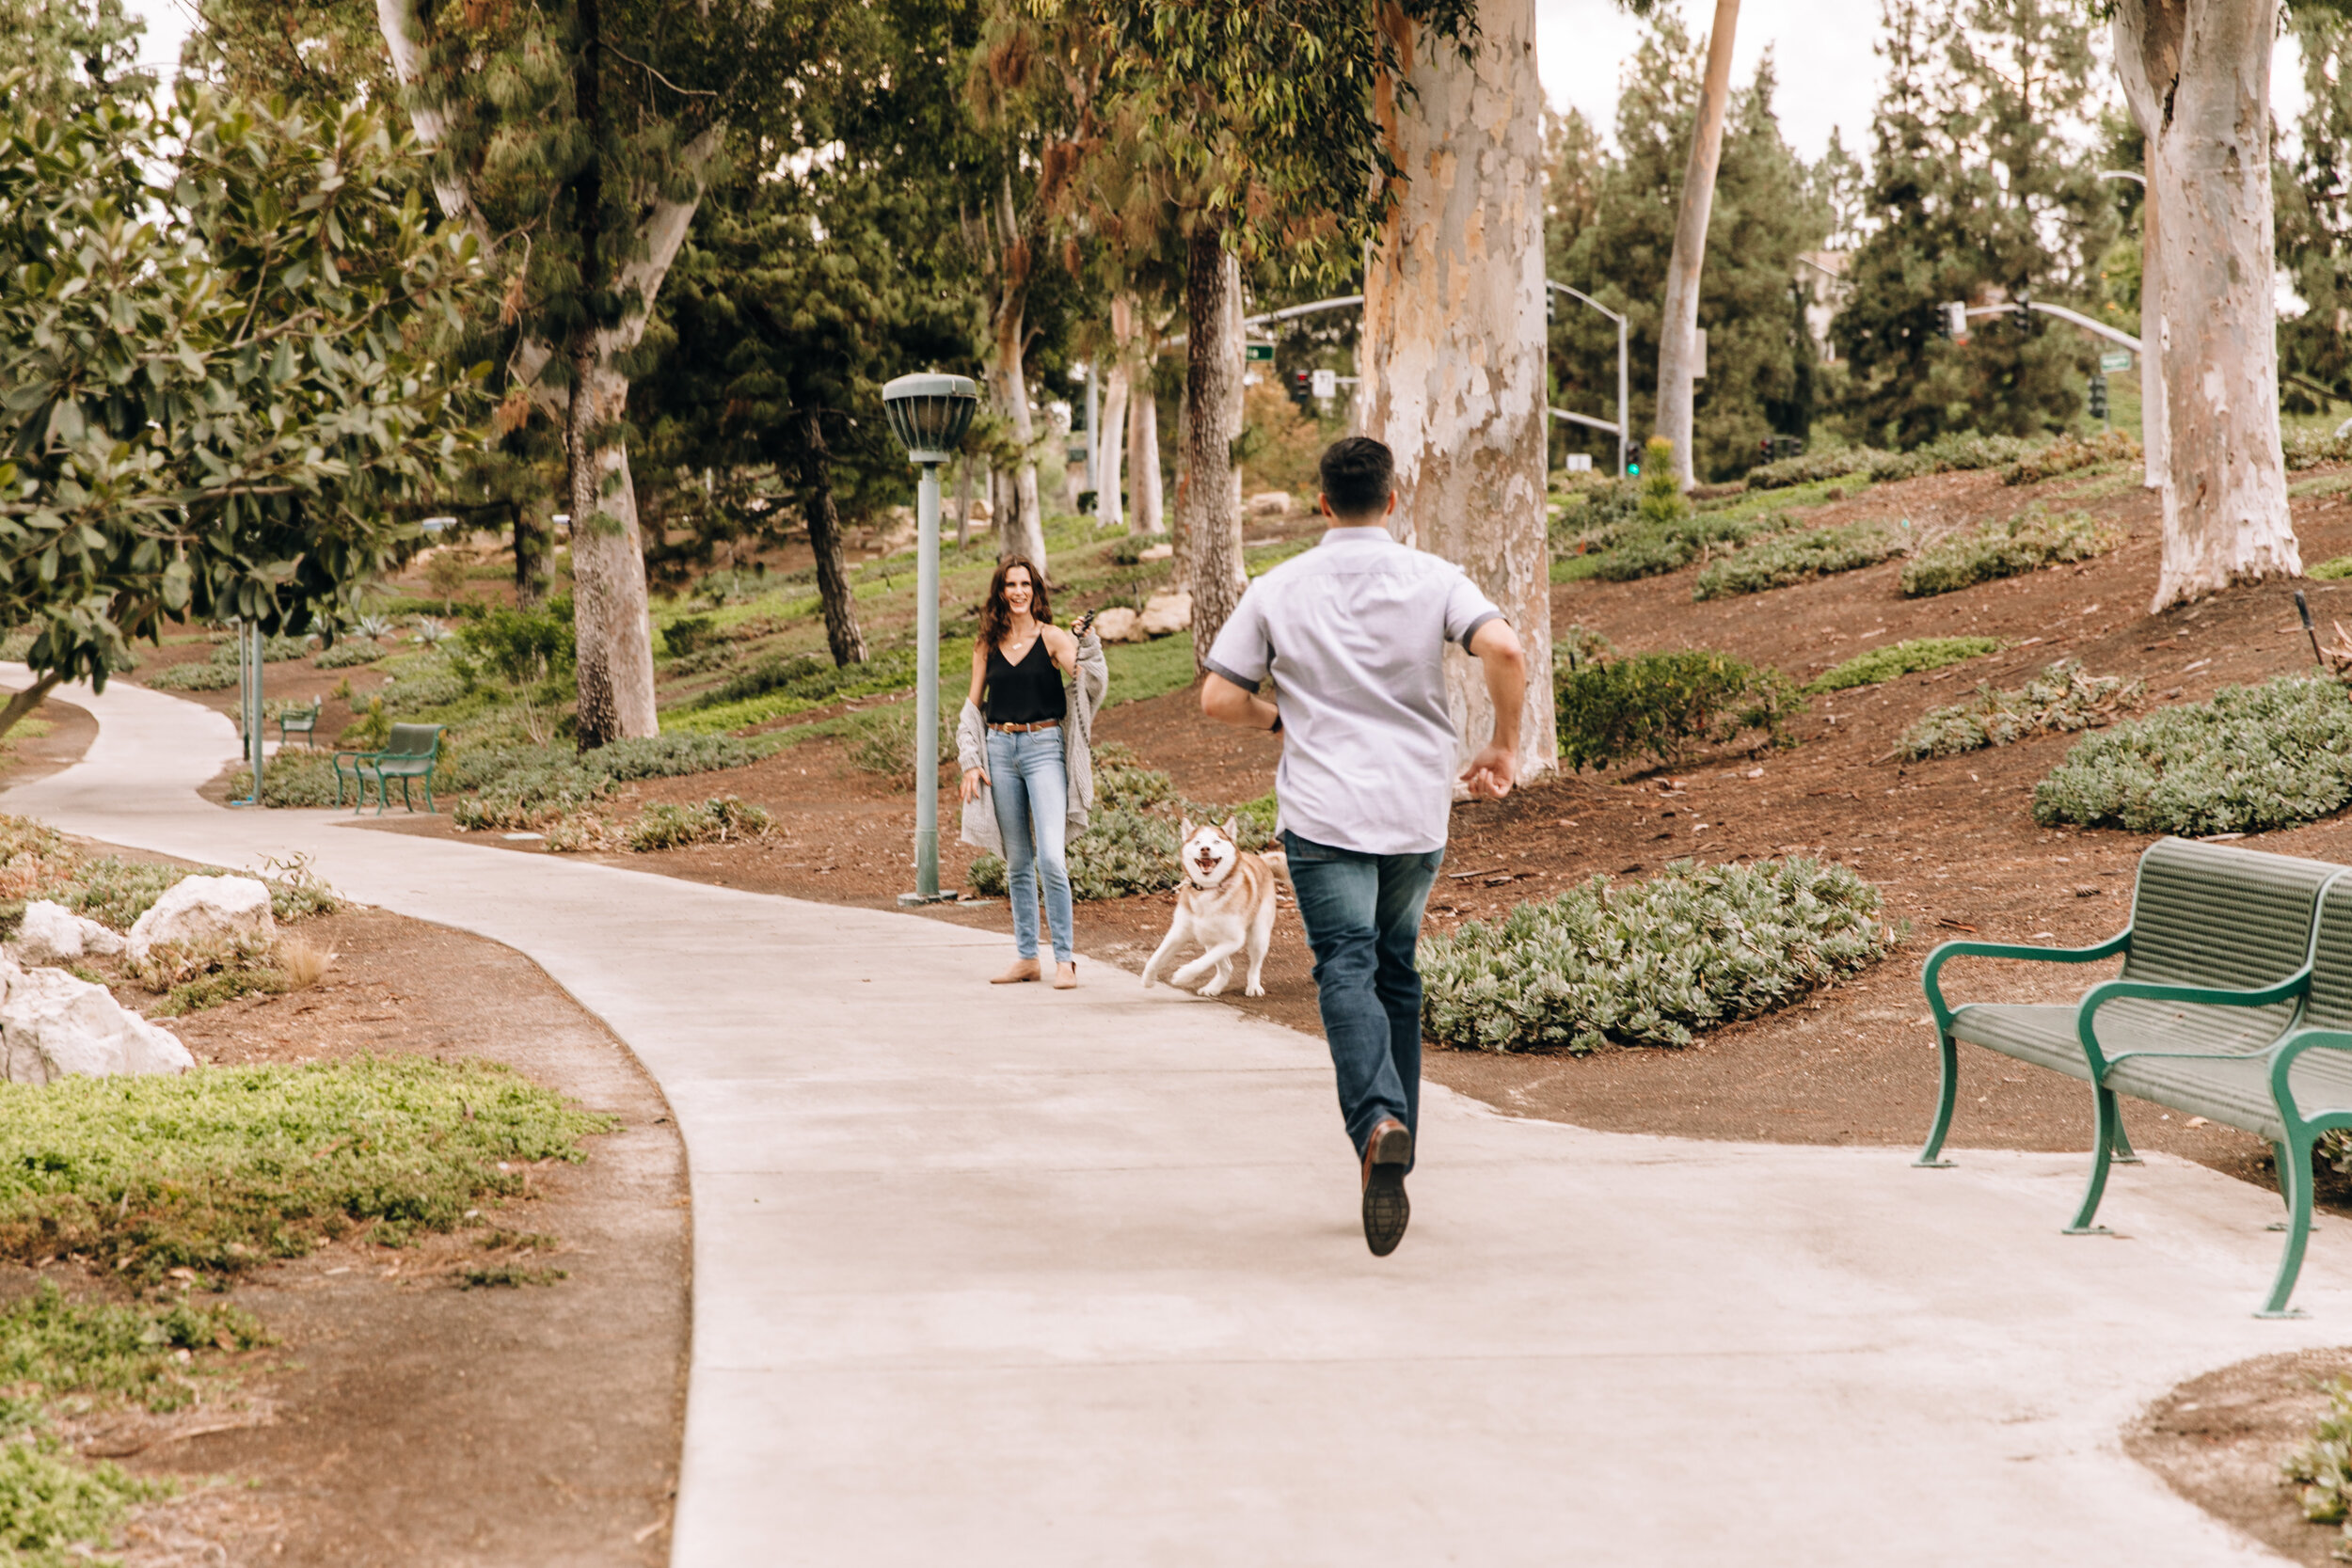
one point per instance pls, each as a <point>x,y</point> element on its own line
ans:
<point>1362,915</point>
<point>1031,783</point>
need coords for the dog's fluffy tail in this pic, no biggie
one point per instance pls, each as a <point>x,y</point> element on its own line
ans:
<point>1281,864</point>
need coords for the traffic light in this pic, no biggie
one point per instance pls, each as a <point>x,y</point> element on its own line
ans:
<point>1303,390</point>
<point>2021,312</point>
<point>2099,397</point>
<point>1952,319</point>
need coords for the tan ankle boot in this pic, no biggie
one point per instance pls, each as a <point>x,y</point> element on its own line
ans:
<point>1066,976</point>
<point>1024,969</point>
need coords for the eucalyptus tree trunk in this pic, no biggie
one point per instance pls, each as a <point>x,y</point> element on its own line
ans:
<point>612,636</point>
<point>2197,73</point>
<point>1014,499</point>
<point>2156,426</point>
<point>1147,514</point>
<point>1453,355</point>
<point>1109,511</point>
<point>1208,503</point>
<point>842,636</point>
<point>1679,318</point>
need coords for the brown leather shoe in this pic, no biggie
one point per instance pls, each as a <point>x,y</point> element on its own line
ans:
<point>1024,969</point>
<point>1066,976</point>
<point>1387,1211</point>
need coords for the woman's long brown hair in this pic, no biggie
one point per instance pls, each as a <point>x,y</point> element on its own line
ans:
<point>997,615</point>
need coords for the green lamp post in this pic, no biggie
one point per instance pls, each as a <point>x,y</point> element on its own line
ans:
<point>928,413</point>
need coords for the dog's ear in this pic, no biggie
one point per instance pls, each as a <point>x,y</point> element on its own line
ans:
<point>1183,832</point>
<point>1233,829</point>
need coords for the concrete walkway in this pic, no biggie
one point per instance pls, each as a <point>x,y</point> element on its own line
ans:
<point>1034,1279</point>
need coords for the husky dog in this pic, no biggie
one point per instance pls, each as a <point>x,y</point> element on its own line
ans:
<point>1226,904</point>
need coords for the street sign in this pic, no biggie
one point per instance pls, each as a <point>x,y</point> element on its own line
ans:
<point>2115,360</point>
<point>1256,353</point>
<point>1327,384</point>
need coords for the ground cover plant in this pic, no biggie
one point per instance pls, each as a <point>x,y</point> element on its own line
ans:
<point>2332,571</point>
<point>1793,558</point>
<point>2254,757</point>
<point>37,863</point>
<point>662,826</point>
<point>1662,705</point>
<point>221,1169</point>
<point>1906,657</point>
<point>2070,453</point>
<point>1660,533</point>
<point>2062,698</point>
<point>1952,453</point>
<point>2322,1467</point>
<point>2026,543</point>
<point>1648,964</point>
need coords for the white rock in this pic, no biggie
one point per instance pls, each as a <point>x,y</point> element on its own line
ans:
<point>1166,615</point>
<point>197,912</point>
<point>1270,503</point>
<point>51,934</point>
<point>1117,625</point>
<point>1155,552</point>
<point>53,1026</point>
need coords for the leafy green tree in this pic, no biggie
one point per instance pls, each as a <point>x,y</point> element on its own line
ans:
<point>65,55</point>
<point>2313,196</point>
<point>1767,210</point>
<point>217,320</point>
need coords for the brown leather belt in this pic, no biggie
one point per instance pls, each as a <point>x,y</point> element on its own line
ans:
<point>1025,729</point>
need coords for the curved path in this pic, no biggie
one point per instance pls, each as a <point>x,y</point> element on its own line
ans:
<point>1041,1278</point>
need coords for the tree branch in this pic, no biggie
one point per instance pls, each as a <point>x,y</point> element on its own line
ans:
<point>28,699</point>
<point>397,21</point>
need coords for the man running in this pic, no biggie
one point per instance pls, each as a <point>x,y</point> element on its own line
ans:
<point>1353,634</point>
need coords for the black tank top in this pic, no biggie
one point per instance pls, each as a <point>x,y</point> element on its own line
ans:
<point>1025,692</point>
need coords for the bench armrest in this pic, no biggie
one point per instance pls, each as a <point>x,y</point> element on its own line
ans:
<point>2282,1058</point>
<point>1930,973</point>
<point>2105,991</point>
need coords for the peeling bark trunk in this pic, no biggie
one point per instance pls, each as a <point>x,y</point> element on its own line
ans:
<point>824,541</point>
<point>1453,344</point>
<point>1109,508</point>
<point>1020,526</point>
<point>1679,323</point>
<point>2197,73</point>
<point>2156,426</point>
<point>1208,505</point>
<point>610,633</point>
<point>1143,457</point>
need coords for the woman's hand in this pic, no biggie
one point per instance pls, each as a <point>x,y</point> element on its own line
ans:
<point>973,779</point>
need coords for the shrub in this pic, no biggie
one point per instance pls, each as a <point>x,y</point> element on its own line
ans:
<point>530,797</point>
<point>1693,947</point>
<point>671,756</point>
<point>2332,571</point>
<point>815,680</point>
<point>1952,453</point>
<point>1129,844</point>
<point>1811,468</point>
<point>2062,699</point>
<point>2308,448</point>
<point>196,675</point>
<point>2026,543</point>
<point>2070,453</point>
<point>685,634</point>
<point>1794,557</point>
<point>662,826</point>
<point>524,646</point>
<point>882,742</point>
<point>2323,1463</point>
<point>1580,644</point>
<point>1907,657</point>
<point>222,1169</point>
<point>1663,705</point>
<point>435,685</point>
<point>349,652</point>
<point>2254,757</point>
<point>296,777</point>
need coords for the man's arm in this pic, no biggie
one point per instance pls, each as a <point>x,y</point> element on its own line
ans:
<point>1229,704</point>
<point>1494,770</point>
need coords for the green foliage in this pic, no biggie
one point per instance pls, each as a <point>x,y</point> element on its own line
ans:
<point>2254,757</point>
<point>485,1276</point>
<point>1662,705</point>
<point>195,675</point>
<point>882,742</point>
<point>524,647</point>
<point>1693,947</point>
<point>2026,543</point>
<point>2070,452</point>
<point>2332,571</point>
<point>2322,1464</point>
<point>1906,657</point>
<point>1795,556</point>
<point>1811,468</point>
<point>36,863</point>
<point>1960,451</point>
<point>351,652</point>
<point>529,798</point>
<point>685,635</point>
<point>2309,449</point>
<point>220,1171</point>
<point>1580,644</point>
<point>217,318</point>
<point>52,1509</point>
<point>662,826</point>
<point>275,650</point>
<point>527,786</point>
<point>60,1346</point>
<point>2062,699</point>
<point>2312,215</point>
<point>1142,670</point>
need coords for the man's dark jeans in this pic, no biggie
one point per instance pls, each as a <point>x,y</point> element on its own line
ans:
<point>1362,915</point>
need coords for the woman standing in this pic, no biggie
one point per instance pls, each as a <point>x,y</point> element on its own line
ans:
<point>1028,780</point>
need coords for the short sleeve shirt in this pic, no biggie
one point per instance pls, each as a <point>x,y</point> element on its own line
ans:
<point>1353,634</point>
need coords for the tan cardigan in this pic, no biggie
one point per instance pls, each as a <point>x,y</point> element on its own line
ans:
<point>1085,695</point>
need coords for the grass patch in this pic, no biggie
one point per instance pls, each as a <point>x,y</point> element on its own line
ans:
<point>2070,453</point>
<point>195,675</point>
<point>2252,759</point>
<point>221,1169</point>
<point>2062,699</point>
<point>2332,571</point>
<point>1142,670</point>
<point>2026,543</point>
<point>1953,453</point>
<point>1690,948</point>
<point>1793,558</point>
<point>1662,705</point>
<point>1907,657</point>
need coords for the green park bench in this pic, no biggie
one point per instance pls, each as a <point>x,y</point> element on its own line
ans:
<point>409,753</point>
<point>302,719</point>
<point>2235,1003</point>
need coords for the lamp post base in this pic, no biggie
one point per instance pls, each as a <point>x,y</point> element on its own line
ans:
<point>908,899</point>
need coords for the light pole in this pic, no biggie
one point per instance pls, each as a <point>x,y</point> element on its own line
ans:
<point>1619,428</point>
<point>928,413</point>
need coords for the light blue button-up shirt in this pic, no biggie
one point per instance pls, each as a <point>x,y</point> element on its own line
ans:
<point>1354,633</point>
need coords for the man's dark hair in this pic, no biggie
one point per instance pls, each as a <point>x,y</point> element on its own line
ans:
<point>1358,475</point>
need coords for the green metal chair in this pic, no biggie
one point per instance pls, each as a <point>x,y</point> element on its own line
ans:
<point>410,752</point>
<point>300,720</point>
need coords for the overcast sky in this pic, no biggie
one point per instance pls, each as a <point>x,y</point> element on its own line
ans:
<point>1828,74</point>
